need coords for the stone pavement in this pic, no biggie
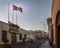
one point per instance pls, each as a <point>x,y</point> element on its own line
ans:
<point>45,45</point>
<point>35,44</point>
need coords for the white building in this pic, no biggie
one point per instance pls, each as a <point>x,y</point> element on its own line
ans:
<point>11,32</point>
<point>34,35</point>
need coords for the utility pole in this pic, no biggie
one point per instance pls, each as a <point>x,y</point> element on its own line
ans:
<point>43,25</point>
<point>44,28</point>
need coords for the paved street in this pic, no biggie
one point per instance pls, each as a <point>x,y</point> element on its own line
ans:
<point>29,45</point>
<point>45,45</point>
<point>36,44</point>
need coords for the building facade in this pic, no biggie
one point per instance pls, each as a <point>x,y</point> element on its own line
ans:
<point>11,33</point>
<point>50,29</point>
<point>56,22</point>
<point>36,35</point>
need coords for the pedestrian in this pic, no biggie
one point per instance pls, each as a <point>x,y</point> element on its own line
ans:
<point>51,44</point>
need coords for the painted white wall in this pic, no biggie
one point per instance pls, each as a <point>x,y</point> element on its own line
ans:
<point>18,38</point>
<point>3,26</point>
<point>9,37</point>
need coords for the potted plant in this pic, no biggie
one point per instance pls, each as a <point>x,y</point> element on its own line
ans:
<point>5,40</point>
<point>23,42</point>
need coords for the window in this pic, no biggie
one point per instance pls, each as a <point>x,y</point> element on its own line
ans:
<point>4,34</point>
<point>20,36</point>
<point>24,36</point>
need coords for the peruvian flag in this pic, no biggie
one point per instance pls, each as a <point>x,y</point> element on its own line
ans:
<point>15,7</point>
<point>19,9</point>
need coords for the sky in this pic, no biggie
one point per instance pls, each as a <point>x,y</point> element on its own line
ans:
<point>34,16</point>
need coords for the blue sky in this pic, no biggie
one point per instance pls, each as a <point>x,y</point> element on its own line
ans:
<point>34,12</point>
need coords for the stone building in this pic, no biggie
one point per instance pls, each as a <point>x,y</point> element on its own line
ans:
<point>50,28</point>
<point>11,32</point>
<point>56,22</point>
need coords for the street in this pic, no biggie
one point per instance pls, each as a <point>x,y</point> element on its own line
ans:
<point>45,45</point>
<point>36,44</point>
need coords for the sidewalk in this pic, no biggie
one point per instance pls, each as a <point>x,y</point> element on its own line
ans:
<point>45,45</point>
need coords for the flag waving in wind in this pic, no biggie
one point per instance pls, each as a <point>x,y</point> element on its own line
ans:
<point>20,9</point>
<point>15,7</point>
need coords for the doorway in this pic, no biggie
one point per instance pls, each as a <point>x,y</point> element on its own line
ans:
<point>58,30</point>
<point>13,37</point>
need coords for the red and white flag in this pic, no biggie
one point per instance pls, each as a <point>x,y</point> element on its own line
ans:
<point>19,9</point>
<point>15,7</point>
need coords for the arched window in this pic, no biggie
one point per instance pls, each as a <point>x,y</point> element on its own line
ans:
<point>58,20</point>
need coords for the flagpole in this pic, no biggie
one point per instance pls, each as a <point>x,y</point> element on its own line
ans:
<point>16,17</point>
<point>12,16</point>
<point>8,11</point>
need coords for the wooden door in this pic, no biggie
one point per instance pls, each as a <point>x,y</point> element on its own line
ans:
<point>58,38</point>
<point>13,37</point>
<point>4,35</point>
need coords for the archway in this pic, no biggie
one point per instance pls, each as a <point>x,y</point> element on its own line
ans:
<point>58,30</point>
